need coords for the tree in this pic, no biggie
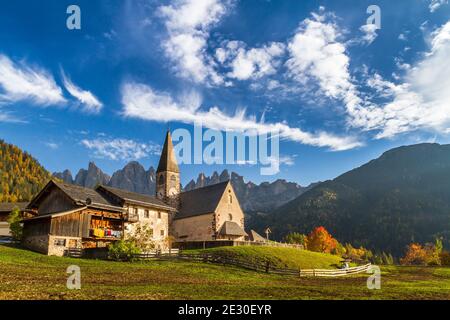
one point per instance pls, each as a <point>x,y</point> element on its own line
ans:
<point>142,237</point>
<point>415,255</point>
<point>321,241</point>
<point>15,224</point>
<point>296,238</point>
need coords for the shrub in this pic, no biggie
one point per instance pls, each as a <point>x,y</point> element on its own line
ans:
<point>296,238</point>
<point>123,250</point>
<point>445,258</point>
<point>15,224</point>
<point>417,254</point>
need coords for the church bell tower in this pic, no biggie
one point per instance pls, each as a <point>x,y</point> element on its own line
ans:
<point>168,175</point>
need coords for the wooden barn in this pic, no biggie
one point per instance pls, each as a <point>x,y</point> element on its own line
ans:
<point>70,217</point>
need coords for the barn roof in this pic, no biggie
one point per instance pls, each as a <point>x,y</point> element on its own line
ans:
<point>135,198</point>
<point>9,206</point>
<point>231,228</point>
<point>79,195</point>
<point>201,201</point>
<point>254,236</point>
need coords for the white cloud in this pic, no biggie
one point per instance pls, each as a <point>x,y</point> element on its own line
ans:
<point>316,54</point>
<point>188,23</point>
<point>10,118</point>
<point>370,33</point>
<point>436,4</point>
<point>120,149</point>
<point>420,101</point>
<point>86,98</point>
<point>141,101</point>
<point>252,63</point>
<point>19,81</point>
<point>52,145</point>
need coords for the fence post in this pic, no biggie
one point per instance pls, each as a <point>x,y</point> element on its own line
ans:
<point>267,266</point>
<point>299,273</point>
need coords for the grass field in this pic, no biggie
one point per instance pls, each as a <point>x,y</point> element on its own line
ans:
<point>28,275</point>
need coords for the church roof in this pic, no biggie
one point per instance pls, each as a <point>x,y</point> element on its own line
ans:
<point>231,228</point>
<point>254,236</point>
<point>168,161</point>
<point>201,201</point>
<point>135,198</point>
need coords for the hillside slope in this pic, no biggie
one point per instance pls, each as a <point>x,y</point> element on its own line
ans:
<point>21,176</point>
<point>279,257</point>
<point>402,196</point>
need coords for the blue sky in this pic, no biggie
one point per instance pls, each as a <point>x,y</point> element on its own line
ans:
<point>339,90</point>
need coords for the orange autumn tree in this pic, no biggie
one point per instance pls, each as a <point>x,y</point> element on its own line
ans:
<point>321,240</point>
<point>415,254</point>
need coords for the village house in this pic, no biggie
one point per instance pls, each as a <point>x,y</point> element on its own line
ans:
<point>5,210</point>
<point>68,217</point>
<point>74,217</point>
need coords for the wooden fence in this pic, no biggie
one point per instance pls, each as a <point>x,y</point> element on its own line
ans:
<point>266,266</point>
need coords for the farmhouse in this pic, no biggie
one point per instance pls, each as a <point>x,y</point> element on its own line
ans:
<point>68,217</point>
<point>74,217</point>
<point>5,210</point>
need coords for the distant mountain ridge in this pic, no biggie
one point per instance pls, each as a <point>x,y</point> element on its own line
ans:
<point>400,197</point>
<point>133,177</point>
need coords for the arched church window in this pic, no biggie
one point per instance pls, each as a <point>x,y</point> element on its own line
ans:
<point>161,179</point>
<point>230,217</point>
<point>230,198</point>
<point>173,178</point>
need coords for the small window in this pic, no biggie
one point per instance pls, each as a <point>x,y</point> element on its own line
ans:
<point>230,197</point>
<point>162,233</point>
<point>135,211</point>
<point>159,215</point>
<point>146,214</point>
<point>60,242</point>
<point>230,217</point>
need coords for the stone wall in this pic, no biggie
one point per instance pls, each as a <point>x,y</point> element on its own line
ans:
<point>58,245</point>
<point>157,220</point>
<point>194,228</point>
<point>229,209</point>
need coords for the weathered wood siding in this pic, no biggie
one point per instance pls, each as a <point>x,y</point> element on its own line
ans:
<point>55,201</point>
<point>68,225</point>
<point>39,227</point>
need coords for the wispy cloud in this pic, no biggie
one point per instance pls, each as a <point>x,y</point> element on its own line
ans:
<point>436,4</point>
<point>419,101</point>
<point>7,117</point>
<point>120,149</point>
<point>89,102</point>
<point>19,81</point>
<point>141,101</point>
<point>52,145</point>
<point>188,23</point>
<point>370,33</point>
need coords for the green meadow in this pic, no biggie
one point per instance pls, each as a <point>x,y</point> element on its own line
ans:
<point>29,275</point>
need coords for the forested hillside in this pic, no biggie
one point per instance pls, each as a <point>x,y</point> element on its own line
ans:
<point>21,175</point>
<point>399,198</point>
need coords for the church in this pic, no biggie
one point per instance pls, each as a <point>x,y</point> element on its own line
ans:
<point>64,217</point>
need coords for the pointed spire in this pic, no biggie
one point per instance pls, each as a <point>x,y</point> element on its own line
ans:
<point>168,161</point>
